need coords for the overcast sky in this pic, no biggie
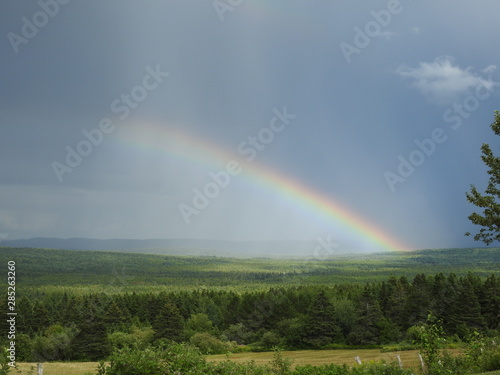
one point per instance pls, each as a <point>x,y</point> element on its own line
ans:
<point>383,107</point>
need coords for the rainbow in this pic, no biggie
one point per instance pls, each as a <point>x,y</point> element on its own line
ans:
<point>185,146</point>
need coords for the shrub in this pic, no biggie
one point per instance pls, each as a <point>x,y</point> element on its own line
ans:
<point>4,362</point>
<point>281,365</point>
<point>55,344</point>
<point>137,337</point>
<point>209,344</point>
<point>168,358</point>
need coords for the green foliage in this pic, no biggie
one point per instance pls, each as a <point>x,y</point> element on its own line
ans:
<point>91,341</point>
<point>166,359</point>
<point>4,362</point>
<point>168,324</point>
<point>281,365</point>
<point>482,354</point>
<point>239,333</point>
<point>430,338</point>
<point>86,272</point>
<point>489,201</point>
<point>54,345</point>
<point>209,344</point>
<point>198,323</point>
<point>365,369</point>
<point>137,337</point>
<point>24,347</point>
<point>269,340</point>
<point>321,327</point>
<point>368,325</point>
<point>294,304</point>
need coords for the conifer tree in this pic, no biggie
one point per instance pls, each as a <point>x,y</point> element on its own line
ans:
<point>91,342</point>
<point>468,310</point>
<point>489,201</point>
<point>321,327</point>
<point>490,302</point>
<point>113,316</point>
<point>40,316</point>
<point>366,331</point>
<point>169,323</point>
<point>419,301</point>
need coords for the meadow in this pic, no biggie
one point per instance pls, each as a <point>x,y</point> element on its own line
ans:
<point>300,357</point>
<point>321,357</point>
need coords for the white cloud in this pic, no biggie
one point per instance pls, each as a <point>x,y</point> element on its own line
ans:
<point>445,82</point>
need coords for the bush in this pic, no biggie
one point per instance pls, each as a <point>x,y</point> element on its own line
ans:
<point>281,365</point>
<point>239,333</point>
<point>137,337</point>
<point>4,362</point>
<point>198,323</point>
<point>483,354</point>
<point>166,359</point>
<point>209,344</point>
<point>54,345</point>
<point>380,369</point>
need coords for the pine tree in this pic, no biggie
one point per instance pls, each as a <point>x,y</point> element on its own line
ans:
<point>113,316</point>
<point>438,290</point>
<point>396,300</point>
<point>451,304</point>
<point>321,328</point>
<point>489,220</point>
<point>91,342</point>
<point>169,323</point>
<point>40,317</point>
<point>25,322</point>
<point>367,329</point>
<point>490,302</point>
<point>468,309</point>
<point>419,301</point>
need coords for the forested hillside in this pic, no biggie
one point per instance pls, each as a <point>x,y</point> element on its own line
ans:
<point>80,305</point>
<point>50,269</point>
<point>64,326</point>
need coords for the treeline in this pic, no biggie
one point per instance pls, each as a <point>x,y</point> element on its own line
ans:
<point>67,327</point>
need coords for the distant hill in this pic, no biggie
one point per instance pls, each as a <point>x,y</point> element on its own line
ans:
<point>240,249</point>
<point>134,272</point>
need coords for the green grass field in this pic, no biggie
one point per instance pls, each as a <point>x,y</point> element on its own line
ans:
<point>300,357</point>
<point>320,357</point>
<point>58,368</point>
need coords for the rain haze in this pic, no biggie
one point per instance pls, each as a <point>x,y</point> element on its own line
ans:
<point>246,119</point>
